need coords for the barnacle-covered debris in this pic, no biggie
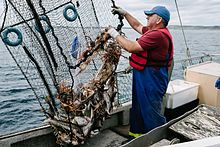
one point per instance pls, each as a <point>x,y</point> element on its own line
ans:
<point>83,110</point>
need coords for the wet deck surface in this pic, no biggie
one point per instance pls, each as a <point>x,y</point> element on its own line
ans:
<point>107,138</point>
<point>203,123</point>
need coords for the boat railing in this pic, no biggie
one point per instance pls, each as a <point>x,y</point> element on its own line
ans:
<point>124,77</point>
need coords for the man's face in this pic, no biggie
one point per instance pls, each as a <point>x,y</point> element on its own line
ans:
<point>153,21</point>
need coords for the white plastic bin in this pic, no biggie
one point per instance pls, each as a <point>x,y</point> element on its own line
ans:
<point>180,92</point>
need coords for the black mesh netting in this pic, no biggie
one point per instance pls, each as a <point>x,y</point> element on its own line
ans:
<point>68,60</point>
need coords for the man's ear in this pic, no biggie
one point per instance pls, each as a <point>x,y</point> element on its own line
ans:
<point>159,19</point>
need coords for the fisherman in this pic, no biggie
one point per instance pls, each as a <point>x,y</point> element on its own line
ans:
<point>151,59</point>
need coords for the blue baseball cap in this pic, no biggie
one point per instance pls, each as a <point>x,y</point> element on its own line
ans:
<point>161,11</point>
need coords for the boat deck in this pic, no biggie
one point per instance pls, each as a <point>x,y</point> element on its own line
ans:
<point>113,134</point>
<point>107,138</point>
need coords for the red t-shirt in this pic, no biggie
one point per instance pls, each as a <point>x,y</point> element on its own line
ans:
<point>155,43</point>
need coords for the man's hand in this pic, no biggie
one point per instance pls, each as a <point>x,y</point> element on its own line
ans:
<point>119,11</point>
<point>112,32</point>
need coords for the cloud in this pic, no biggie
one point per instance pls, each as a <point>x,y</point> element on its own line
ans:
<point>197,12</point>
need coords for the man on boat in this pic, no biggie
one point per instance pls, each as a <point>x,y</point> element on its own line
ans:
<point>151,59</point>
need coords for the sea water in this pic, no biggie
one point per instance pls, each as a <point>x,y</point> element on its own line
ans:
<point>19,109</point>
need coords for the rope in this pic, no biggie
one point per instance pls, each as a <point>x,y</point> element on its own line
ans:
<point>94,10</point>
<point>2,13</point>
<point>32,18</point>
<point>1,16</point>
<point>58,44</point>
<point>184,36</point>
<point>5,11</point>
<point>49,49</point>
<point>120,17</point>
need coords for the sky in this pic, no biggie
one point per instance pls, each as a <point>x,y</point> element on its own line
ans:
<point>192,12</point>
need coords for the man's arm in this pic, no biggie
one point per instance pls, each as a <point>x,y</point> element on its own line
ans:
<point>134,23</point>
<point>128,45</point>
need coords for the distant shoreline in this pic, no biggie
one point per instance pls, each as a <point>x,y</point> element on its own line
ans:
<point>188,27</point>
<point>194,27</point>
